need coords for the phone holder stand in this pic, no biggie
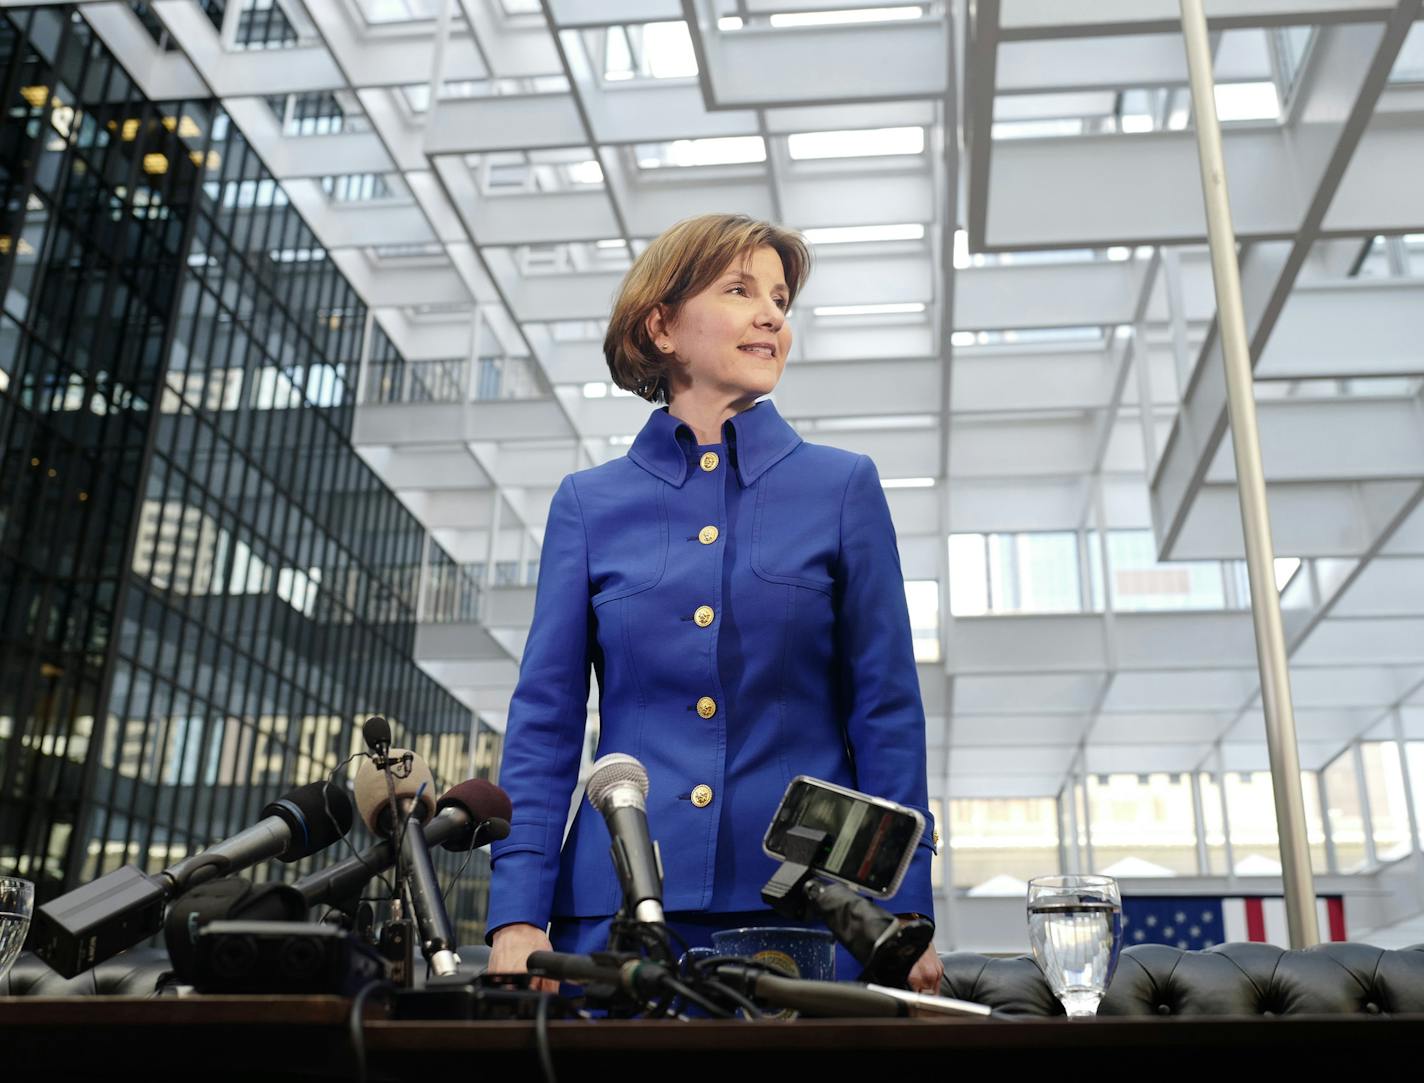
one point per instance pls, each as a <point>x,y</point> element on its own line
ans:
<point>786,891</point>
<point>885,945</point>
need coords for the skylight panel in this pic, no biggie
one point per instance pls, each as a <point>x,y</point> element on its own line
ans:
<point>667,51</point>
<point>908,231</point>
<point>853,15</point>
<point>870,142</point>
<point>649,51</point>
<point>398,11</point>
<point>589,172</point>
<point>1247,101</point>
<point>893,309</point>
<point>874,422</point>
<point>724,150</point>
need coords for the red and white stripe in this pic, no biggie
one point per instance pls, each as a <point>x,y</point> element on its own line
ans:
<point>1263,920</point>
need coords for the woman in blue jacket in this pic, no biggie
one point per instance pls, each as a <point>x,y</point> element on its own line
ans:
<point>737,594</point>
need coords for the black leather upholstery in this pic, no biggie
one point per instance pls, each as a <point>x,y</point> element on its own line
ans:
<point>1229,979</point>
<point>134,973</point>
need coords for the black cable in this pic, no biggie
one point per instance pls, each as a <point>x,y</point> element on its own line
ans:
<point>689,994</point>
<point>346,836</point>
<point>745,1003</point>
<point>356,1032</point>
<point>541,1038</point>
<point>445,892</point>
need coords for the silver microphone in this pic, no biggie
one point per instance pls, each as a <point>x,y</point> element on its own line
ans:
<point>618,789</point>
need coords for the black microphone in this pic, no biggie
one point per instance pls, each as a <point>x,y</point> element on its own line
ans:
<point>399,808</point>
<point>97,921</point>
<point>647,980</point>
<point>377,735</point>
<point>472,814</point>
<point>618,788</point>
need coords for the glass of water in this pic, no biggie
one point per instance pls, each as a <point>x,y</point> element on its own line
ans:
<point>17,903</point>
<point>1075,927</point>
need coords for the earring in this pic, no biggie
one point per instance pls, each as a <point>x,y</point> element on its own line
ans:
<point>664,346</point>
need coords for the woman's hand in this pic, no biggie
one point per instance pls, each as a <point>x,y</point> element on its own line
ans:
<point>510,950</point>
<point>926,974</point>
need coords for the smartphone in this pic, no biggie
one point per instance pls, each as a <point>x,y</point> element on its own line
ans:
<point>869,840</point>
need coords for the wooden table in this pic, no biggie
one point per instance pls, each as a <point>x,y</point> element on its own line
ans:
<point>276,1039</point>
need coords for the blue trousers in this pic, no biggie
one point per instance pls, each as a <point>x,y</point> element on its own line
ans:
<point>583,935</point>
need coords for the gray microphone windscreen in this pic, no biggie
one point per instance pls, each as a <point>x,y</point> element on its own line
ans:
<point>373,796</point>
<point>613,771</point>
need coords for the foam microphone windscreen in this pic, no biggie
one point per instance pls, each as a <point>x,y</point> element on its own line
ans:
<point>373,794</point>
<point>376,733</point>
<point>485,804</point>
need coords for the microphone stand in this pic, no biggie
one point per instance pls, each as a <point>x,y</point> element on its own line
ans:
<point>397,941</point>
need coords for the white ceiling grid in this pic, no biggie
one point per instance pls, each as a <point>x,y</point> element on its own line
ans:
<point>1030,330</point>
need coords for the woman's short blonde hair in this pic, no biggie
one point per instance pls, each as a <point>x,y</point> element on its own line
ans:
<point>683,261</point>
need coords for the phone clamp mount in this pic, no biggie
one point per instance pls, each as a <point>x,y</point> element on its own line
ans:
<point>887,947</point>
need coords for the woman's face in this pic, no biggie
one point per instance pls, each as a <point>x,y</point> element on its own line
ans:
<point>731,339</point>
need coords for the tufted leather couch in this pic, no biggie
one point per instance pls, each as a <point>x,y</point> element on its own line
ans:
<point>1151,979</point>
<point>1229,979</point>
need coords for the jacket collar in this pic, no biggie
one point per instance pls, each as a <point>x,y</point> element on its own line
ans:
<point>757,439</point>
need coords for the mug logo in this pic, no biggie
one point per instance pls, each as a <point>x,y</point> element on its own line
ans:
<point>778,960</point>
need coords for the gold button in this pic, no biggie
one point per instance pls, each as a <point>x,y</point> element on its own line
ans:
<point>703,616</point>
<point>707,707</point>
<point>702,796</point>
<point>710,461</point>
<point>935,836</point>
<point>707,535</point>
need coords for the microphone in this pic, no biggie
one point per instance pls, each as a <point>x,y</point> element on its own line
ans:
<point>392,802</point>
<point>471,814</point>
<point>618,788</point>
<point>377,735</point>
<point>387,793</point>
<point>292,828</point>
<point>648,980</point>
<point>95,922</point>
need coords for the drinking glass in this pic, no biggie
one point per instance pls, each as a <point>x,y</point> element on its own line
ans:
<point>17,903</point>
<point>1075,927</point>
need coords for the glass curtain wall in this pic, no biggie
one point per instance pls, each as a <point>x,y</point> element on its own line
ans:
<point>203,589</point>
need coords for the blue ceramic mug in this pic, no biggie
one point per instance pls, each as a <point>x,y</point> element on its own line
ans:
<point>801,953</point>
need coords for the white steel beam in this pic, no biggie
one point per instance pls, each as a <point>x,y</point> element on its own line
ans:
<point>1342,330</point>
<point>161,74</point>
<point>1103,292</point>
<point>249,71</point>
<point>370,57</point>
<point>764,67</point>
<point>416,424</point>
<point>1029,19</point>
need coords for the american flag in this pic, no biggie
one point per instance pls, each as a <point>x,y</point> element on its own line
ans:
<point>1194,922</point>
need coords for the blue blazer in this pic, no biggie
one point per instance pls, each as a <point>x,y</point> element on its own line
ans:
<point>728,661</point>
